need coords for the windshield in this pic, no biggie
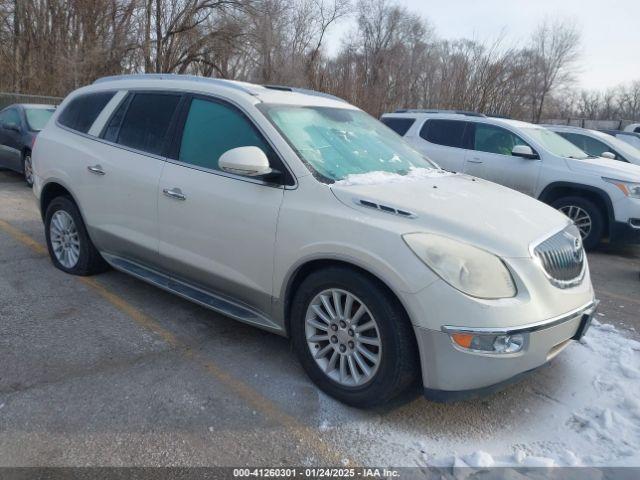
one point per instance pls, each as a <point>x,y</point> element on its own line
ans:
<point>37,118</point>
<point>555,144</point>
<point>337,142</point>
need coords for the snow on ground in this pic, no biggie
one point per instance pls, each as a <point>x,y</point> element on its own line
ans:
<point>581,410</point>
<point>377,178</point>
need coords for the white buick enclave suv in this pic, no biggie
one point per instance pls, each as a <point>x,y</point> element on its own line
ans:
<point>601,196</point>
<point>300,214</point>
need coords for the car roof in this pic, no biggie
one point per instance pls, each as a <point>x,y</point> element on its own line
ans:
<point>459,115</point>
<point>256,93</point>
<point>587,131</point>
<point>621,133</point>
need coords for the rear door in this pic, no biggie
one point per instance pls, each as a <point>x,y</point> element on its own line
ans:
<point>443,141</point>
<point>218,230</point>
<point>120,178</point>
<point>491,158</point>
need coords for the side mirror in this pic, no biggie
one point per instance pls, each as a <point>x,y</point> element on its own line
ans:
<point>248,161</point>
<point>524,151</point>
<point>609,155</point>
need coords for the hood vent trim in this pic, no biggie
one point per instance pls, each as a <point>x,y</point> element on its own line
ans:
<point>384,208</point>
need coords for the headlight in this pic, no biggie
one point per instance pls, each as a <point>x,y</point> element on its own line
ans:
<point>469,269</point>
<point>630,189</point>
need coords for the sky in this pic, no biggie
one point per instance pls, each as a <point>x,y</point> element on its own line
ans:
<point>609,54</point>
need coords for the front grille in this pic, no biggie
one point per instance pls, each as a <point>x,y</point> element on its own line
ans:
<point>562,257</point>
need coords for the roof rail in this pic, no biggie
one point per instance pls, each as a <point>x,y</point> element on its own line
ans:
<point>173,76</point>
<point>305,91</point>
<point>422,110</point>
<point>241,86</point>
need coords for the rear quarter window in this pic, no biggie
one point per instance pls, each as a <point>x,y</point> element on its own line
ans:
<point>398,125</point>
<point>82,111</point>
<point>449,133</point>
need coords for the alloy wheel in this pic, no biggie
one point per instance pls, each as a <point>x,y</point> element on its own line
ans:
<point>580,217</point>
<point>64,239</point>
<point>343,337</point>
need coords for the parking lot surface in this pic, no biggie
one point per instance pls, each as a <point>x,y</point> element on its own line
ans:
<point>108,370</point>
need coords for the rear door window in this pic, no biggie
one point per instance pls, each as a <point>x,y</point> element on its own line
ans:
<point>449,133</point>
<point>398,125</point>
<point>82,111</point>
<point>145,124</point>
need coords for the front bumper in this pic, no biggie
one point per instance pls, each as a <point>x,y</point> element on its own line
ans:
<point>624,232</point>
<point>450,373</point>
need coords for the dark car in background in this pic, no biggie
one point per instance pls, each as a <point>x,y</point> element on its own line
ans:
<point>19,125</point>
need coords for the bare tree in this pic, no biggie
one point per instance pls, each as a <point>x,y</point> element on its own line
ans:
<point>554,51</point>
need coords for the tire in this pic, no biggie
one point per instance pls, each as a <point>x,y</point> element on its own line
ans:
<point>570,205</point>
<point>85,260</point>
<point>27,168</point>
<point>397,365</point>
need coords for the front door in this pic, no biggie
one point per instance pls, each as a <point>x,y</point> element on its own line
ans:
<point>491,159</point>
<point>218,230</point>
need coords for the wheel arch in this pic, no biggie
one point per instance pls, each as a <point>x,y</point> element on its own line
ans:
<point>557,190</point>
<point>54,189</point>
<point>302,271</point>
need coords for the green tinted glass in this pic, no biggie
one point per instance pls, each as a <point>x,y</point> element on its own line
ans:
<point>213,128</point>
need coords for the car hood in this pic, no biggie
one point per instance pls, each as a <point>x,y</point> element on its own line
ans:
<point>605,167</point>
<point>475,211</point>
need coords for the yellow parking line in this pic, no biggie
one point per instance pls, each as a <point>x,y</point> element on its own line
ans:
<point>304,434</point>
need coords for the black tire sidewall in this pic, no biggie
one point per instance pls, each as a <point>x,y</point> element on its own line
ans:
<point>66,204</point>
<point>597,220</point>
<point>388,314</point>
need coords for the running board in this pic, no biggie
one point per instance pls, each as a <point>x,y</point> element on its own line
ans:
<point>208,300</point>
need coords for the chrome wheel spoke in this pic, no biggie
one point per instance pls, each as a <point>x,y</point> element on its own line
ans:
<point>318,311</point>
<point>326,302</point>
<point>323,351</point>
<point>332,362</point>
<point>370,341</point>
<point>353,369</point>
<point>318,325</point>
<point>361,363</point>
<point>365,326</point>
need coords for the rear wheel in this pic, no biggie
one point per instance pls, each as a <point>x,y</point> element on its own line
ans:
<point>352,337</point>
<point>69,245</point>
<point>586,216</point>
<point>27,168</point>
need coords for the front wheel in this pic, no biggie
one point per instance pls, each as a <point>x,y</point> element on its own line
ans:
<point>27,168</point>
<point>586,216</point>
<point>353,337</point>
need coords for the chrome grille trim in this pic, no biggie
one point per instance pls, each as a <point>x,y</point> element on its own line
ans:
<point>562,258</point>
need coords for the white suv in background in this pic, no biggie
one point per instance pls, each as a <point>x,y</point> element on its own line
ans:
<point>600,195</point>
<point>597,143</point>
<point>301,214</point>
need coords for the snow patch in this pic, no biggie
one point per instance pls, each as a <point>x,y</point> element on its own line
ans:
<point>377,178</point>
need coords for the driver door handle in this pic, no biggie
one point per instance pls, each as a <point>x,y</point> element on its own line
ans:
<point>97,169</point>
<point>174,193</point>
<point>475,160</point>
